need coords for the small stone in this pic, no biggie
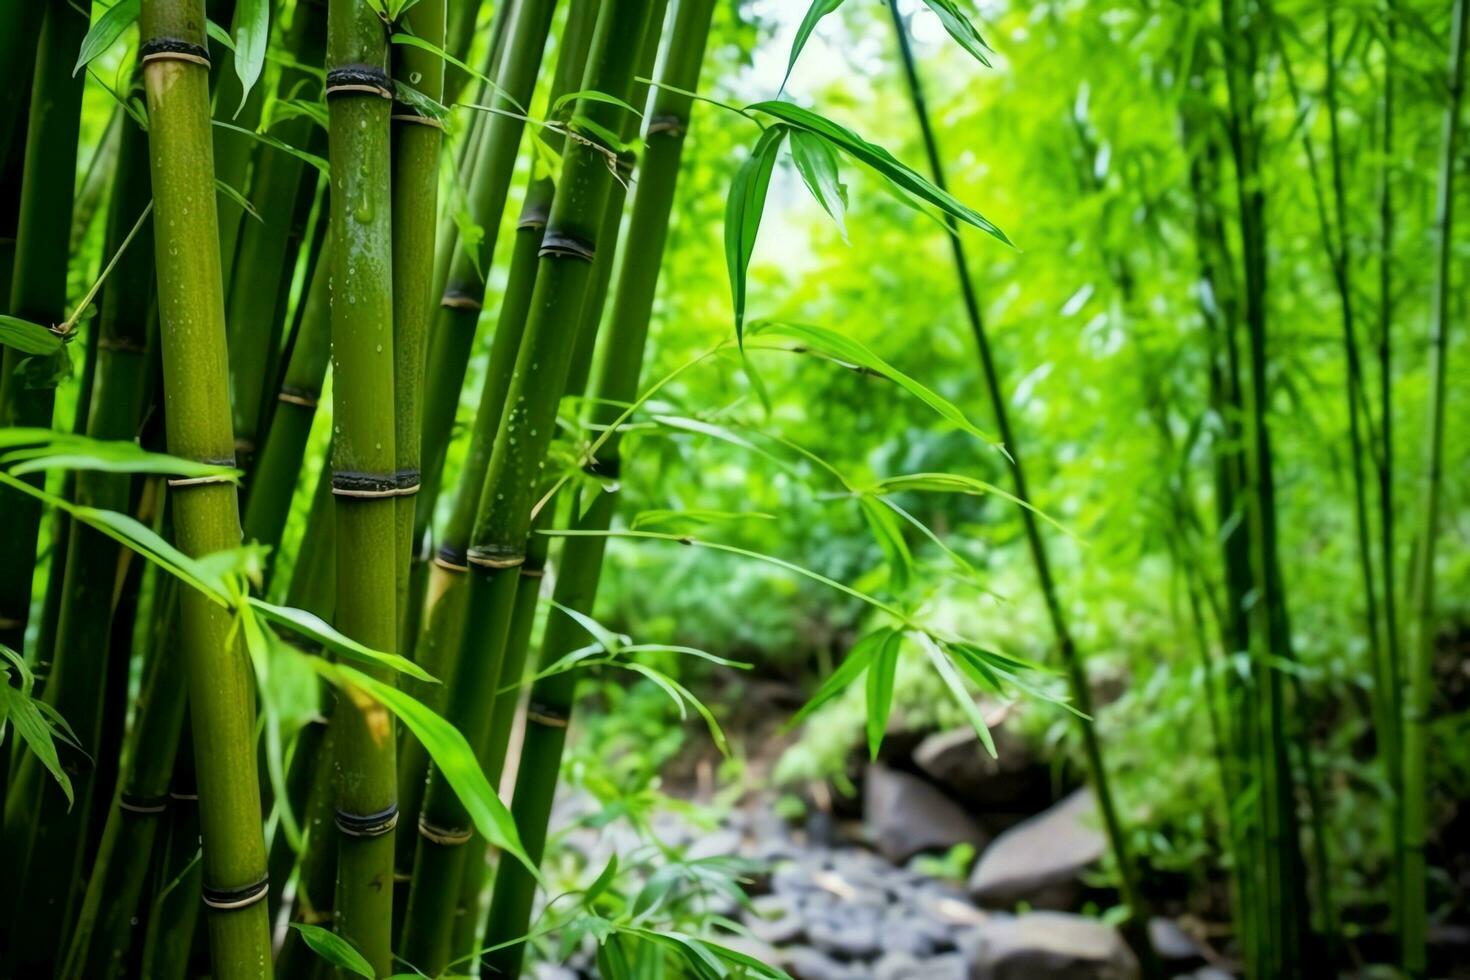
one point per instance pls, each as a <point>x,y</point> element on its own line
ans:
<point>775,919</point>
<point>844,937</point>
<point>1042,860</point>
<point>902,966</point>
<point>905,815</point>
<point>805,963</point>
<point>1173,945</point>
<point>1049,946</point>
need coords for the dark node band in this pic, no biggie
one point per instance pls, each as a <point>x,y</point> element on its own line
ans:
<point>230,899</point>
<point>459,298</point>
<point>624,166</point>
<point>451,557</point>
<point>532,571</point>
<point>360,80</point>
<point>546,714</point>
<point>667,125</point>
<point>133,803</point>
<point>122,345</point>
<point>567,245</point>
<point>293,395</point>
<point>368,824</point>
<point>533,218</point>
<point>406,482</point>
<point>444,836</point>
<point>608,469</point>
<point>350,484</point>
<point>495,556</point>
<point>200,481</point>
<point>172,49</point>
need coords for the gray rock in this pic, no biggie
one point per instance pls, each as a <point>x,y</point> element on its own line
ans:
<point>552,971</point>
<point>1042,860</point>
<point>906,936</point>
<point>1208,973</point>
<point>957,762</point>
<point>804,963</point>
<point>905,815</point>
<point>1173,945</point>
<point>719,843</point>
<point>846,937</point>
<point>902,966</point>
<point>776,919</point>
<point>1049,946</point>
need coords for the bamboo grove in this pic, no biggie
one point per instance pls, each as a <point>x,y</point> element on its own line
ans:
<point>314,458</point>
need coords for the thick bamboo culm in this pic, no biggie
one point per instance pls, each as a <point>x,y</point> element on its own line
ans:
<point>365,481</point>
<point>38,279</point>
<point>196,383</point>
<point>437,647</point>
<point>497,547</point>
<point>281,188</point>
<point>551,698</point>
<point>453,332</point>
<point>416,143</point>
<point>80,665</point>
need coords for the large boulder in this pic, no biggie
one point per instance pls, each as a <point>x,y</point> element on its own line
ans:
<point>1012,781</point>
<point>1041,861</point>
<point>1049,946</point>
<point>905,816</point>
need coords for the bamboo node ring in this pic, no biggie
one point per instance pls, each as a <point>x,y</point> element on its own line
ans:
<point>347,483</point>
<point>406,482</point>
<point>567,245</point>
<point>458,299</point>
<point>183,797</point>
<point>172,49</point>
<point>451,559</point>
<point>528,571</point>
<point>406,112</point>
<point>444,836</point>
<point>292,395</point>
<point>545,714</point>
<point>359,80</point>
<point>133,803</point>
<point>368,824</point>
<point>668,125</point>
<point>495,556</point>
<point>229,899</point>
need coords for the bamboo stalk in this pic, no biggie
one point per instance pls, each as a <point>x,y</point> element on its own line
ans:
<point>173,913</point>
<point>265,256</point>
<point>38,283</point>
<point>497,547</point>
<point>107,925</point>
<point>268,507</point>
<point>416,142</point>
<point>80,659</point>
<point>233,151</point>
<point>1135,926</point>
<point>453,332</point>
<point>438,648</point>
<point>365,481</point>
<point>551,698</point>
<point>1421,651</point>
<point>191,315</point>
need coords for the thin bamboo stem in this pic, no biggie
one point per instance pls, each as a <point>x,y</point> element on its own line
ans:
<point>1136,925</point>
<point>1422,648</point>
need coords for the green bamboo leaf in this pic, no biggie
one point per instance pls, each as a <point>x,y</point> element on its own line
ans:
<point>880,690</point>
<point>606,638</point>
<point>400,37</point>
<point>321,632</point>
<point>65,451</point>
<point>252,37</point>
<point>889,535</point>
<point>334,949</point>
<point>32,728</point>
<point>105,32</point>
<point>239,199</point>
<point>959,27</point>
<point>816,161</point>
<point>857,660</point>
<point>590,95</point>
<point>29,338</point>
<point>219,35</point>
<point>683,520</point>
<point>959,483</point>
<point>814,13</point>
<point>321,165</point>
<point>743,209</point>
<point>603,881</point>
<point>451,754</point>
<point>612,961</point>
<point>844,348</point>
<point>880,161</point>
<point>956,687</point>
